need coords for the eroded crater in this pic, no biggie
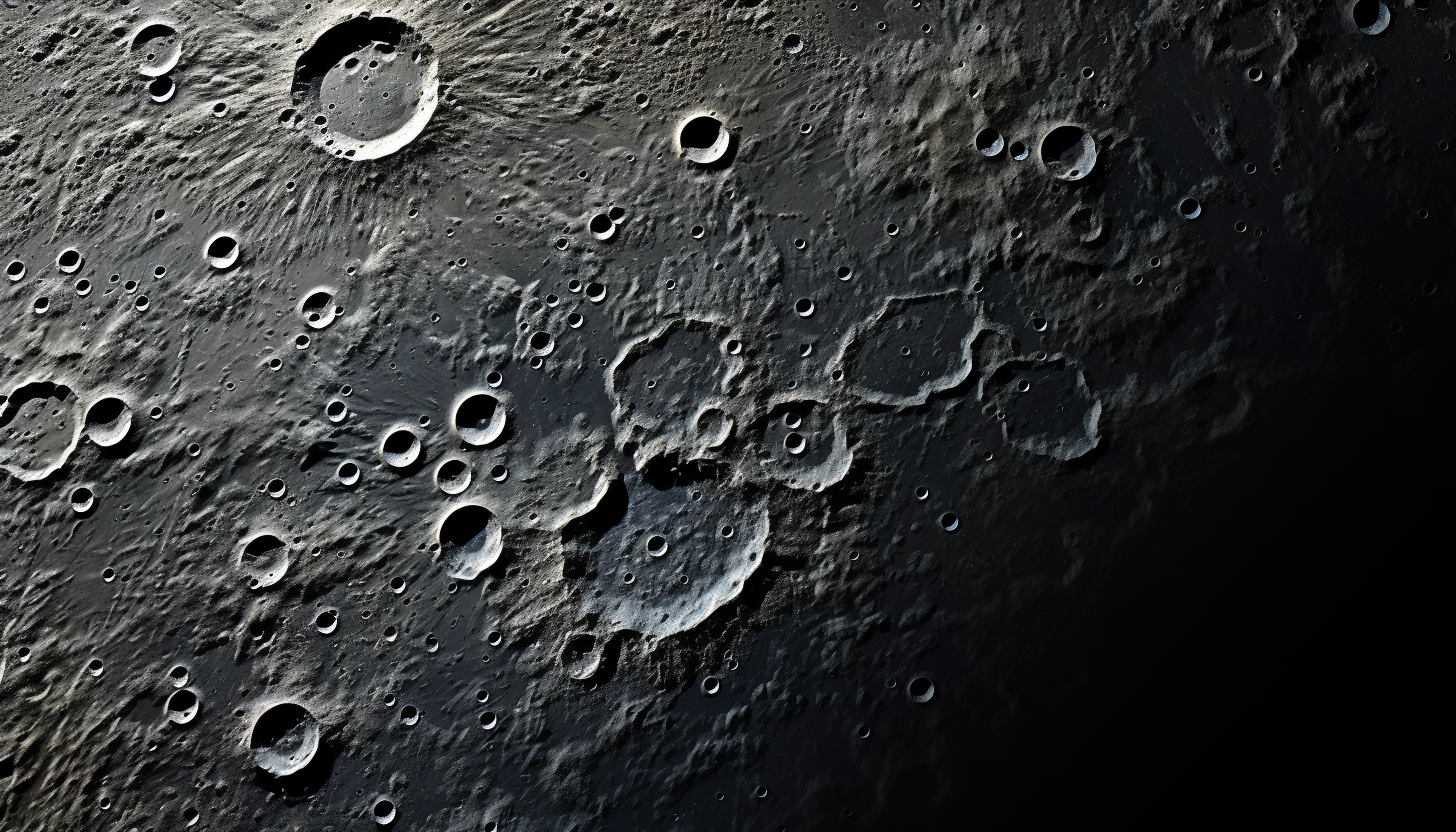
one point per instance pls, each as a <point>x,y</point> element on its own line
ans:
<point>911,348</point>
<point>671,391</point>
<point>1044,407</point>
<point>802,444</point>
<point>40,426</point>
<point>659,557</point>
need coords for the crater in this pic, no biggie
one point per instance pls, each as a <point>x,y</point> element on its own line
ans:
<point>581,656</point>
<point>1371,17</point>
<point>702,139</point>
<point>629,581</point>
<point>1044,407</point>
<point>401,448</point>
<point>480,419</point>
<point>368,86</point>
<point>318,309</point>
<point>108,421</point>
<point>39,428</point>
<point>453,476</point>
<point>263,559</point>
<point>911,348</point>
<point>802,444</point>
<point>470,541</point>
<point>989,142</point>
<point>671,391</point>
<point>182,706</point>
<point>1069,152</point>
<point>284,739</point>
<point>222,251</point>
<point>155,49</point>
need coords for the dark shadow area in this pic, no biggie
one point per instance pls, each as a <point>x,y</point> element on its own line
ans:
<point>33,390</point>
<point>608,512</point>
<point>1365,13</point>
<point>700,133</point>
<point>317,452</point>
<point>123,449</point>
<point>463,526</point>
<point>590,659</point>
<point>664,472</point>
<point>1272,651</point>
<point>341,41</point>
<point>729,155</point>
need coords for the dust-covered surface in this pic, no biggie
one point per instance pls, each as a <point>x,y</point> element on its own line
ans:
<point>400,428</point>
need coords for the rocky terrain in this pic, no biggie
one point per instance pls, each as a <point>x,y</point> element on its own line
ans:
<point>509,416</point>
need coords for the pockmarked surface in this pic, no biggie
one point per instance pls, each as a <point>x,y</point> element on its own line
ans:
<point>538,416</point>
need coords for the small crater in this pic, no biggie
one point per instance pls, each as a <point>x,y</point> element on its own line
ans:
<point>990,142</point>
<point>83,499</point>
<point>470,541</point>
<point>1069,152</point>
<point>161,90</point>
<point>318,308</point>
<point>222,251</point>
<point>602,228</point>
<point>182,706</point>
<point>383,811</point>
<point>920,689</point>
<point>1371,17</point>
<point>155,49</point>
<point>263,560</point>
<point>703,139</point>
<point>401,448</point>
<point>70,261</point>
<point>284,739</point>
<point>480,419</point>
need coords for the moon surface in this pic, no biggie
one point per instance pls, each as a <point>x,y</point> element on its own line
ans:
<point>616,415</point>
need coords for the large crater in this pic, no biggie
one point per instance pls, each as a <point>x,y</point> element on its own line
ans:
<point>366,87</point>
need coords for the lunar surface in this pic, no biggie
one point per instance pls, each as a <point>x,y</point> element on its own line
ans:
<point>480,416</point>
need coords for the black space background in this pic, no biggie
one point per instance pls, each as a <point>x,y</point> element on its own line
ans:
<point>1275,653</point>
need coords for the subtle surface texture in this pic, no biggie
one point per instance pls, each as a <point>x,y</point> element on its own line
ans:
<point>731,415</point>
